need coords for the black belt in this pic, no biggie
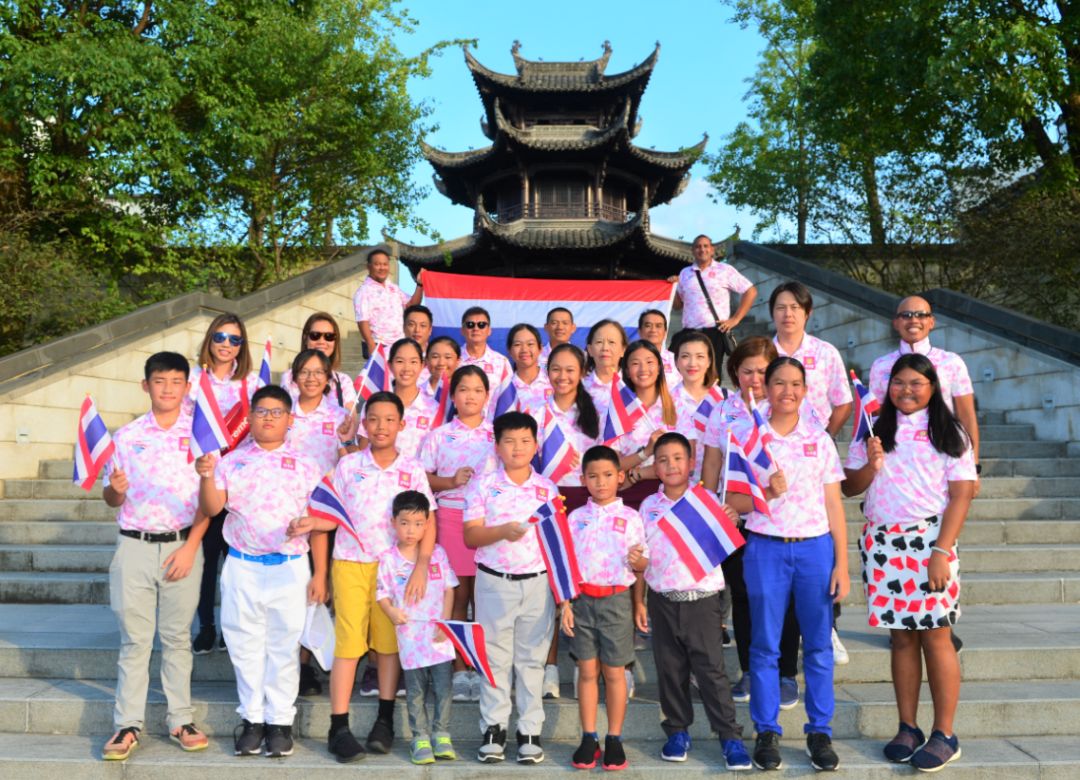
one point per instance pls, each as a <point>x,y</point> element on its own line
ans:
<point>505,576</point>
<point>785,539</point>
<point>171,536</point>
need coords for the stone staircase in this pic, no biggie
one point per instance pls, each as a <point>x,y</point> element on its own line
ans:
<point>1018,716</point>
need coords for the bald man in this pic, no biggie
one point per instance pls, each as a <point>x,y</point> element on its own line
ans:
<point>913,321</point>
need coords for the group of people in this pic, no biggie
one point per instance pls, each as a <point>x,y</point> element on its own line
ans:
<point>440,526</point>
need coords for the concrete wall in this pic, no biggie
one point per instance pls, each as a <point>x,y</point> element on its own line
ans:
<point>1026,385</point>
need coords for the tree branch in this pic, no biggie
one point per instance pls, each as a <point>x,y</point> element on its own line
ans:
<point>140,28</point>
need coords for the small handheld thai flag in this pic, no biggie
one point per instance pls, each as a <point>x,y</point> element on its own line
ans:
<point>556,456</point>
<point>264,369</point>
<point>506,396</point>
<point>712,399</point>
<point>468,640</point>
<point>557,547</point>
<point>739,476</point>
<point>209,430</point>
<point>700,531</point>
<point>326,504</point>
<point>757,443</point>
<point>444,413</point>
<point>376,375</point>
<point>623,412</point>
<point>93,446</point>
<point>866,407</point>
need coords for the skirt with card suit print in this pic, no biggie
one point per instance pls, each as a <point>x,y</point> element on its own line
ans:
<point>895,561</point>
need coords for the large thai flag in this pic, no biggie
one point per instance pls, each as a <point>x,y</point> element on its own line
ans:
<point>376,374</point>
<point>557,547</point>
<point>757,443</point>
<point>326,504</point>
<point>444,412</point>
<point>468,640</point>
<point>514,300</point>
<point>624,411</point>
<point>93,446</point>
<point>556,456</point>
<point>209,429</point>
<point>739,476</point>
<point>506,396</point>
<point>712,399</point>
<point>264,369</point>
<point>700,531</point>
<point>866,407</point>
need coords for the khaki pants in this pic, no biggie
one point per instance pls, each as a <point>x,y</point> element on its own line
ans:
<point>143,601</point>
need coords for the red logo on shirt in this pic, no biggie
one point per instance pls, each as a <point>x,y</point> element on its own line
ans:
<point>548,392</point>
<point>542,493</point>
<point>422,423</point>
<point>808,362</point>
<point>434,571</point>
<point>488,368</point>
<point>328,429</point>
<point>491,435</point>
<point>185,444</point>
<point>288,463</point>
<point>809,450</point>
<point>404,479</point>
<point>922,435</point>
<point>618,525</point>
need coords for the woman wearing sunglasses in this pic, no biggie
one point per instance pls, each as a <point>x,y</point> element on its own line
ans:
<point>321,333</point>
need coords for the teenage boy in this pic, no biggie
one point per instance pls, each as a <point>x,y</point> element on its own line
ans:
<point>475,331</point>
<point>267,580</point>
<point>379,304</point>
<point>686,616</point>
<point>156,570</point>
<point>367,481</point>
<point>559,327</point>
<point>513,601</point>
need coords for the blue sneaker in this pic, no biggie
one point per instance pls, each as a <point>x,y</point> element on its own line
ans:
<point>938,751</point>
<point>789,693</point>
<point>676,747</point>
<point>735,756</point>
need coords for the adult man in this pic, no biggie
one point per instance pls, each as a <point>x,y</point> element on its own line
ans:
<point>559,328</point>
<point>380,304</point>
<point>709,309</point>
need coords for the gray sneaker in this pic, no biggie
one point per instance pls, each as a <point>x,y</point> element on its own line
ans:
<point>789,693</point>
<point>420,751</point>
<point>476,684</point>
<point>460,686</point>
<point>493,748</point>
<point>529,750</point>
<point>740,691</point>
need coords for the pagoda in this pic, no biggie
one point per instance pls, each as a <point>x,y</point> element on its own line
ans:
<point>562,191</point>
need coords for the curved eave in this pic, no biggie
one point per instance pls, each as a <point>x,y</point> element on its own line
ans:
<point>534,234</point>
<point>456,160</point>
<point>681,160</point>
<point>670,248</point>
<point>594,139</point>
<point>556,82</point>
<point>433,254</point>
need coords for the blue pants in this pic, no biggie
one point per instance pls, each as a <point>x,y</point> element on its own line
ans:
<point>774,572</point>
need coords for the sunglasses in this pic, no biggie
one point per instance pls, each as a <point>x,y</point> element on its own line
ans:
<point>474,325</point>
<point>315,335</point>
<point>221,337</point>
<point>913,315</point>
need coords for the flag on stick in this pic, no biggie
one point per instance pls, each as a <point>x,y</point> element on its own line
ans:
<point>557,547</point>
<point>376,375</point>
<point>468,640</point>
<point>93,445</point>
<point>209,429</point>
<point>264,369</point>
<point>326,504</point>
<point>739,476</point>
<point>700,531</point>
<point>866,407</point>
<point>757,443</point>
<point>623,412</point>
<point>712,399</point>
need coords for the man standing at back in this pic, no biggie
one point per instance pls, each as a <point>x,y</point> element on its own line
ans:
<point>380,304</point>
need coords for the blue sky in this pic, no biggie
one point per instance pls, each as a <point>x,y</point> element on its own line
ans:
<point>697,86</point>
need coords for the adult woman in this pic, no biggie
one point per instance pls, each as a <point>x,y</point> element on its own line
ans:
<point>321,332</point>
<point>604,347</point>
<point>698,387</point>
<point>919,476</point>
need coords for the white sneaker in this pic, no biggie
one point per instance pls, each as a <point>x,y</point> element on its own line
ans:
<point>551,682</point>
<point>840,654</point>
<point>460,686</point>
<point>476,683</point>
<point>630,685</point>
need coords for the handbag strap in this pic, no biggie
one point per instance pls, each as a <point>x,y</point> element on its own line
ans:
<point>708,298</point>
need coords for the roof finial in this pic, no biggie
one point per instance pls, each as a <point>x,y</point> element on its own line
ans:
<point>607,47</point>
<point>516,47</point>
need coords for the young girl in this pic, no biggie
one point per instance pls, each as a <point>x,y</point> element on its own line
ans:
<point>699,384</point>
<point>443,355</point>
<point>605,345</point>
<point>642,371</point>
<point>227,358</point>
<point>652,327</point>
<point>799,550</point>
<point>919,476</point>
<point>406,360</point>
<point>531,383</point>
<point>321,333</point>
<point>452,455</point>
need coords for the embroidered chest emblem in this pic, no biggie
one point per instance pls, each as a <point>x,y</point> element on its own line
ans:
<point>809,450</point>
<point>328,429</point>
<point>289,464</point>
<point>810,362</point>
<point>403,479</point>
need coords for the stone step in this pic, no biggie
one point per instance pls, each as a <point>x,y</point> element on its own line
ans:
<point>992,532</point>
<point>54,588</point>
<point>1047,587</point>
<point>863,710</point>
<point>64,757</point>
<point>1006,432</point>
<point>1004,449</point>
<point>58,532</point>
<point>1029,467</point>
<point>56,557</point>
<point>979,559</point>
<point>985,508</point>
<point>28,510</point>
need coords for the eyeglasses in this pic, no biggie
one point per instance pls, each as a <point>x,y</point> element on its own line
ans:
<point>913,315</point>
<point>262,412</point>
<point>474,325</point>
<point>221,337</point>
<point>317,373</point>
<point>314,335</point>
<point>917,386</point>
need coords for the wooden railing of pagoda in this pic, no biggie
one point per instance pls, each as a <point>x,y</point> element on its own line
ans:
<point>602,211</point>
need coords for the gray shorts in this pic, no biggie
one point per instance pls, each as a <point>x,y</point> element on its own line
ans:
<point>605,628</point>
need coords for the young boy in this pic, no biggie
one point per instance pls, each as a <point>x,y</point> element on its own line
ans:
<point>425,651</point>
<point>610,538</point>
<point>513,600</point>
<point>367,481</point>
<point>559,327</point>
<point>158,561</point>
<point>475,331</point>
<point>686,616</point>
<point>267,580</point>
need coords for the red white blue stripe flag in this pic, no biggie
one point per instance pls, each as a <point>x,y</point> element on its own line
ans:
<point>700,531</point>
<point>866,407</point>
<point>264,369</point>
<point>557,547</point>
<point>209,431</point>
<point>506,396</point>
<point>757,443</point>
<point>624,410</point>
<point>326,504</point>
<point>376,375</point>
<point>514,300</point>
<point>739,476</point>
<point>712,399</point>
<point>468,640</point>
<point>556,456</point>
<point>93,446</point>
<point>444,413</point>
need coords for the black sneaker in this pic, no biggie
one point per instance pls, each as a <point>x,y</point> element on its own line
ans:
<point>204,640</point>
<point>279,742</point>
<point>345,747</point>
<point>221,648</point>
<point>614,755</point>
<point>726,636</point>
<point>767,751</point>
<point>248,738</point>
<point>309,683</point>
<point>529,749</point>
<point>822,756</point>
<point>957,643</point>
<point>493,748</point>
<point>381,737</point>
<point>587,753</point>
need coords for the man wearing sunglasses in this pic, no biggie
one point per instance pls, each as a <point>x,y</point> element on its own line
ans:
<point>380,304</point>
<point>475,332</point>
<point>913,321</point>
